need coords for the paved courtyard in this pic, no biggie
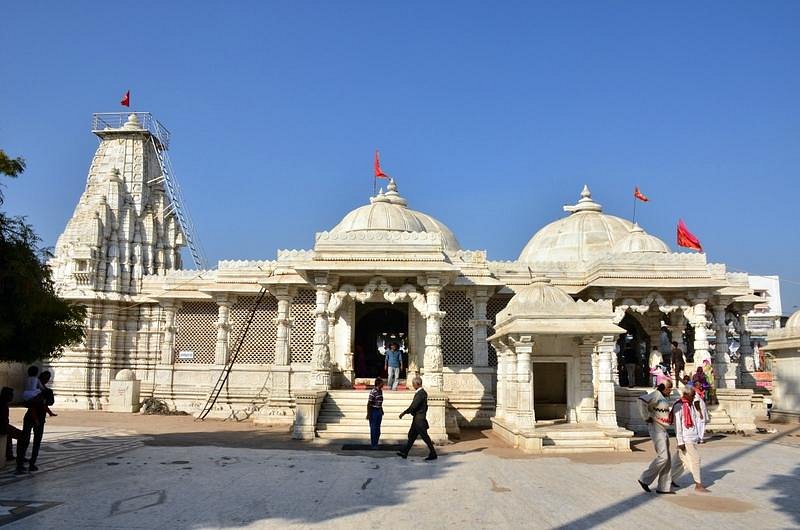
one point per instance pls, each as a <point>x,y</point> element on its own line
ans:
<point>101,470</point>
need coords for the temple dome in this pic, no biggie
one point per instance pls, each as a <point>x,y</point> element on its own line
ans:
<point>584,235</point>
<point>638,240</point>
<point>794,321</point>
<point>539,297</point>
<point>390,212</point>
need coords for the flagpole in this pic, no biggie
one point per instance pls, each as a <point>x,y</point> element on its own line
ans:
<point>634,209</point>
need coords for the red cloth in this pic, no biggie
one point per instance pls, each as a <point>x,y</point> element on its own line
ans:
<point>378,171</point>
<point>126,99</point>
<point>686,238</point>
<point>687,413</point>
<point>639,195</point>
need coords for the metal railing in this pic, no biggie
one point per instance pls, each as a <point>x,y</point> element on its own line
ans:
<point>102,121</point>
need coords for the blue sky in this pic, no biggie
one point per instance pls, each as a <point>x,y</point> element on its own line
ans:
<point>491,115</point>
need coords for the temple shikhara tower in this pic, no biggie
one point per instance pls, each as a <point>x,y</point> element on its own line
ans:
<point>532,348</point>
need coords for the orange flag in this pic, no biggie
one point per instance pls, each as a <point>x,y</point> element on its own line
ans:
<point>126,99</point>
<point>686,238</point>
<point>378,171</point>
<point>639,195</point>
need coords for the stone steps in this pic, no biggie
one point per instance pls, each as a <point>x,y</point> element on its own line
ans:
<point>719,421</point>
<point>343,416</point>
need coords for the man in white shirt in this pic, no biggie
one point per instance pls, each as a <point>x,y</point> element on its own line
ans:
<point>688,416</point>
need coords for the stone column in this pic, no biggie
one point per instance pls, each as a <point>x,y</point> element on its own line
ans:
<point>606,406</point>
<point>700,337</point>
<point>747,364</point>
<point>223,329</point>
<point>480,347</point>
<point>587,410</point>
<point>321,355</point>
<point>432,371</point>
<point>510,385</point>
<point>526,418</point>
<point>281,406</point>
<point>724,372</point>
<point>500,385</point>
<point>168,342</point>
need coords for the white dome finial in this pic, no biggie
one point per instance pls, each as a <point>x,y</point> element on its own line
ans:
<point>585,203</point>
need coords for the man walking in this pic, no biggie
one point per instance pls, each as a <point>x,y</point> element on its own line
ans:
<point>419,423</point>
<point>678,361</point>
<point>34,421</point>
<point>393,364</point>
<point>375,412</point>
<point>688,416</point>
<point>655,411</point>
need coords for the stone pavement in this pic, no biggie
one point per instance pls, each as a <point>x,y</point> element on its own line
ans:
<point>130,479</point>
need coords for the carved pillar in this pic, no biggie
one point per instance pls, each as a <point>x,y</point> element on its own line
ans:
<point>500,385</point>
<point>321,355</point>
<point>223,329</point>
<point>725,372</point>
<point>480,347</point>
<point>587,410</point>
<point>432,374</point>
<point>606,406</point>
<point>280,406</point>
<point>510,384</point>
<point>526,419</point>
<point>412,370</point>
<point>747,364</point>
<point>699,323</point>
<point>168,342</point>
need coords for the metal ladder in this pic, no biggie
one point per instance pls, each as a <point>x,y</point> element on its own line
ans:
<point>223,376</point>
<point>160,143</point>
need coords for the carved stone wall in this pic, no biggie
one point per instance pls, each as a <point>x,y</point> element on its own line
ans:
<point>259,344</point>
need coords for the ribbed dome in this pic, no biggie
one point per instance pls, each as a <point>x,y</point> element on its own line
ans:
<point>539,297</point>
<point>794,320</point>
<point>389,211</point>
<point>585,234</point>
<point>640,241</point>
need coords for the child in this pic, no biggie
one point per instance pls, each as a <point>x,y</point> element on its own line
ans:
<point>33,386</point>
<point>702,416</point>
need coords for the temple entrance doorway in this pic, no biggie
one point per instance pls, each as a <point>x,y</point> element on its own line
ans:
<point>633,347</point>
<point>377,326</point>
<point>550,391</point>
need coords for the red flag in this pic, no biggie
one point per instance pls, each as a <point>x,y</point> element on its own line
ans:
<point>686,238</point>
<point>639,195</point>
<point>126,99</point>
<point>378,171</point>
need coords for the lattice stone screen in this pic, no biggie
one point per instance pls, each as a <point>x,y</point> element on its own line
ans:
<point>496,304</point>
<point>302,340</point>
<point>456,331</point>
<point>259,344</point>
<point>195,331</point>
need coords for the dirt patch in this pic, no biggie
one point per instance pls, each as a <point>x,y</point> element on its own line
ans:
<point>710,503</point>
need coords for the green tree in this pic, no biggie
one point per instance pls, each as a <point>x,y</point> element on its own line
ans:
<point>35,324</point>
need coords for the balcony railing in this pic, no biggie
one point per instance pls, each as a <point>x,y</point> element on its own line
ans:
<point>102,121</point>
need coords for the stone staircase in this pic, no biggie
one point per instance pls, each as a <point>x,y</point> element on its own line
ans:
<point>719,420</point>
<point>576,441</point>
<point>343,416</point>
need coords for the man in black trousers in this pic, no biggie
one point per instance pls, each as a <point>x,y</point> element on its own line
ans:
<point>419,425</point>
<point>34,421</point>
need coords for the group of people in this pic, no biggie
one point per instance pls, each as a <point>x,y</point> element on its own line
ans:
<point>418,411</point>
<point>666,365</point>
<point>37,398</point>
<point>689,416</point>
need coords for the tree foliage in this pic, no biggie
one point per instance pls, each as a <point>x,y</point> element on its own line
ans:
<point>35,323</point>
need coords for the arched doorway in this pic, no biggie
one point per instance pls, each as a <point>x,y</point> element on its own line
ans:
<point>633,346</point>
<point>377,326</point>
